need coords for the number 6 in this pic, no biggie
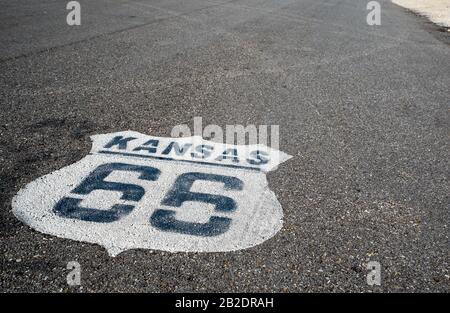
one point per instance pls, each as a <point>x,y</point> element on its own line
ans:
<point>165,219</point>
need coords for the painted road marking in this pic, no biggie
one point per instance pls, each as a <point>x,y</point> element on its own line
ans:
<point>173,194</point>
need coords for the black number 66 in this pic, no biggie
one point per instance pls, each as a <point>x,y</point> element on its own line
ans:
<point>164,220</point>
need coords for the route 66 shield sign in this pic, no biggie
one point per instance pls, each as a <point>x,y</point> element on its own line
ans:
<point>173,194</point>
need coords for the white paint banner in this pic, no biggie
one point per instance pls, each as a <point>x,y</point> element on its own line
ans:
<point>173,194</point>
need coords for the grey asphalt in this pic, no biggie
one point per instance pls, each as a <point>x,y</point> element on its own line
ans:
<point>363,109</point>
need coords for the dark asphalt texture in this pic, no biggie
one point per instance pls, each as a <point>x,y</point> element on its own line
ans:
<point>364,110</point>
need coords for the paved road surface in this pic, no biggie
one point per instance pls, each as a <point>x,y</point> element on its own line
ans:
<point>363,110</point>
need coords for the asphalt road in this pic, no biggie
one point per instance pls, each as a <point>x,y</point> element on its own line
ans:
<point>363,109</point>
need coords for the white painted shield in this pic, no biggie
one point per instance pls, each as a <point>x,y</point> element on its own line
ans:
<point>172,194</point>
